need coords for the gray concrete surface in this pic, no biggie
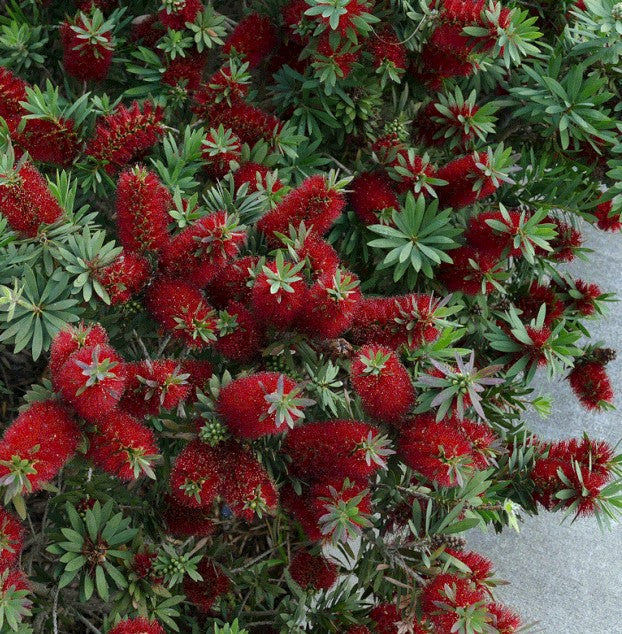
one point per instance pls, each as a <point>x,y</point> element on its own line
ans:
<point>567,577</point>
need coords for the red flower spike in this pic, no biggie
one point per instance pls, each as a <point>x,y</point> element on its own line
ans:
<point>332,304</point>
<point>567,242</point>
<point>70,340</point>
<point>142,211</point>
<point>233,282</point>
<point>312,572</point>
<point>139,625</point>
<point>226,87</point>
<point>358,629</point>
<point>123,447</point>
<point>214,584</point>
<point>340,60</point>
<point>47,140</point>
<point>483,237</point>
<point>196,476</point>
<point>470,271</point>
<point>183,521</point>
<point>185,72</point>
<point>124,277</point>
<point>445,596</point>
<point>438,451</point>
<point>251,493</point>
<point>298,24</point>
<point>372,197</point>
<point>35,446</point>
<point>504,620</point>
<point>586,304</point>
<point>319,257</point>
<point>26,201</point>
<point>175,13</point>
<point>605,219</point>
<point>412,172</point>
<point>182,310</point>
<point>200,372</point>
<point>279,293</point>
<point>254,38</point>
<point>481,567</point>
<point>534,297</point>
<point>383,383</point>
<point>240,335</point>
<point>591,385</point>
<point>11,538</point>
<point>317,202</point>
<point>386,618</point>
<point>92,380</point>
<point>199,251</point>
<point>261,404</point>
<point>124,135</point>
<point>153,386</point>
<point>87,46</point>
<point>386,48</point>
<point>12,91</point>
<point>466,181</point>
<point>337,448</point>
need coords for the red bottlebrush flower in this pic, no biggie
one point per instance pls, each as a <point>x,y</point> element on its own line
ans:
<point>481,567</point>
<point>36,445</point>
<point>182,310</point>
<point>532,301</point>
<point>183,521</point>
<point>15,580</point>
<point>186,71</point>
<point>251,492</point>
<point>358,629</point>
<point>122,446</point>
<point>249,123</point>
<point>142,565</point>
<point>175,13</point>
<point>124,135</point>
<point>591,385</point>
<point>125,276</point>
<point>566,243</point>
<point>46,140</point>
<point>445,596</point>
<point>200,250</point>
<point>383,383</point>
<point>466,181</point>
<point>279,293</point>
<point>605,219</point>
<point>336,448</point>
<point>319,256</point>
<point>463,11</point>
<point>386,48</point>
<point>539,342</point>
<point>223,89</point>
<point>12,91</point>
<point>504,620</point>
<point>260,404</point>
<point>312,572</point>
<point>254,37</point>
<point>196,476</point>
<point>419,171</point>
<point>316,202</point>
<point>154,385</point>
<point>214,584</point>
<point>240,335</point>
<point>256,176</point>
<point>372,197</point>
<point>70,340</point>
<point>447,54</point>
<point>332,304</point>
<point>386,618</point>
<point>199,373</point>
<point>221,152</point>
<point>234,282</point>
<point>138,625</point>
<point>142,211</point>
<point>25,200</point>
<point>462,276</point>
<point>482,440</point>
<point>87,46</point>
<point>11,538</point>
<point>436,450</point>
<point>92,380</point>
<point>394,321</point>
<point>148,29</point>
<point>481,236</point>
<point>387,148</point>
<point>586,304</point>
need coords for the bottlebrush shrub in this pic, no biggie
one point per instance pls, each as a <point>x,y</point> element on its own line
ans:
<point>281,276</point>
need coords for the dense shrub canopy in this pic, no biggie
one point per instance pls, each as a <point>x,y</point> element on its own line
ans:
<point>279,281</point>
